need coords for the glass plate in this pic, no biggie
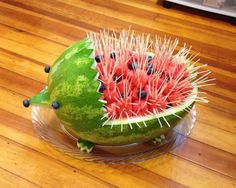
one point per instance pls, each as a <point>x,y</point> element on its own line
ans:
<point>48,127</point>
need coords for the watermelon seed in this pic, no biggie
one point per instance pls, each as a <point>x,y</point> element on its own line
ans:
<point>169,105</point>
<point>150,69</point>
<point>47,69</point>
<point>117,79</point>
<point>98,58</point>
<point>133,66</point>
<point>113,55</point>
<point>123,95</point>
<point>26,103</point>
<point>55,105</point>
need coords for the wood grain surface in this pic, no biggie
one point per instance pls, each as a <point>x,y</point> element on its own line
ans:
<point>33,33</point>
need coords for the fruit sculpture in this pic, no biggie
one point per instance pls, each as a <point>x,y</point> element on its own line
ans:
<point>116,90</point>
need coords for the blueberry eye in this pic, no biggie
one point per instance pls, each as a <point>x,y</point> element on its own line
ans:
<point>142,94</point>
<point>133,66</point>
<point>47,68</point>
<point>98,58</point>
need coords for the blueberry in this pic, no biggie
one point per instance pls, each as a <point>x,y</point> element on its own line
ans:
<point>26,103</point>
<point>133,66</point>
<point>98,58</point>
<point>101,88</point>
<point>169,106</point>
<point>55,105</point>
<point>149,58</point>
<point>142,94</point>
<point>47,69</point>
<point>150,69</point>
<point>113,55</point>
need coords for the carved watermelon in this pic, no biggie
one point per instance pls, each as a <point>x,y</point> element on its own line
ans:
<point>112,90</point>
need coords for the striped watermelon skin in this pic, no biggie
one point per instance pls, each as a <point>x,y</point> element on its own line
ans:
<point>104,135</point>
<point>72,83</point>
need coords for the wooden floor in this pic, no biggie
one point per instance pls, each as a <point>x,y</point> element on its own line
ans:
<point>33,33</point>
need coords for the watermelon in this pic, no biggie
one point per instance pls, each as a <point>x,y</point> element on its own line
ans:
<point>119,95</point>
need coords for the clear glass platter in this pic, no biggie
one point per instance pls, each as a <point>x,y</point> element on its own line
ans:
<point>49,128</point>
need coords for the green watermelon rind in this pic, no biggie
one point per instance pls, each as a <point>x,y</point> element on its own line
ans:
<point>105,135</point>
<point>72,83</point>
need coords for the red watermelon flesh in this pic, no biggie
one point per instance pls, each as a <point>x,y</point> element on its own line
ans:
<point>131,91</point>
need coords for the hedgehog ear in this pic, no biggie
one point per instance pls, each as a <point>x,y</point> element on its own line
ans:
<point>41,98</point>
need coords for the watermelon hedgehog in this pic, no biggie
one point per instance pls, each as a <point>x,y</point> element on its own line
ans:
<point>111,89</point>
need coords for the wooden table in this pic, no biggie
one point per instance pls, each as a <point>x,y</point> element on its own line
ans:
<point>33,33</point>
